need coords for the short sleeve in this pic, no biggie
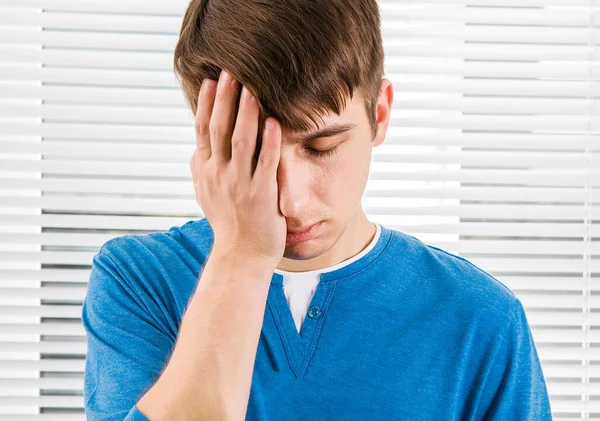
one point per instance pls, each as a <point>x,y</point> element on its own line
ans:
<point>515,388</point>
<point>126,348</point>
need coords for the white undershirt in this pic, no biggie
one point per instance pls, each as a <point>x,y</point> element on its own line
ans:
<point>299,287</point>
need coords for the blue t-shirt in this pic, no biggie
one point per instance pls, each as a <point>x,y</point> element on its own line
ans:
<point>407,332</point>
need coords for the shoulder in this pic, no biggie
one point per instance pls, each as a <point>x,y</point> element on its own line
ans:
<point>192,239</point>
<point>158,270</point>
<point>455,281</point>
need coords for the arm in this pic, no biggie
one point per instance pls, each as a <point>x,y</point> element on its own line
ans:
<point>210,372</point>
<point>213,355</point>
<point>515,388</point>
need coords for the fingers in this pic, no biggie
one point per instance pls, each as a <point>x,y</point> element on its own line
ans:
<point>243,141</point>
<point>223,132</point>
<point>268,160</point>
<point>206,99</point>
<point>223,117</point>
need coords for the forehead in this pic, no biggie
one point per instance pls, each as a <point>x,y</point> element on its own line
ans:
<point>343,122</point>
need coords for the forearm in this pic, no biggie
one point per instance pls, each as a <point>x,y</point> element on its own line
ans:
<point>209,374</point>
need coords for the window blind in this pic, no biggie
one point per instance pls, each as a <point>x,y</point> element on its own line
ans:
<point>491,155</point>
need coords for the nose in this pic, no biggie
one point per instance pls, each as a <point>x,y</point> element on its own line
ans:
<point>293,180</point>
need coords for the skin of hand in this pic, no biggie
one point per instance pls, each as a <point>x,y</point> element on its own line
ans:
<point>237,193</point>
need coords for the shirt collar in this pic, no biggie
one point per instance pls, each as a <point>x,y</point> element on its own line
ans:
<point>349,266</point>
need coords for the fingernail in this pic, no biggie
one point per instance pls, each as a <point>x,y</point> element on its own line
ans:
<point>245,93</point>
<point>206,83</point>
<point>226,77</point>
<point>269,125</point>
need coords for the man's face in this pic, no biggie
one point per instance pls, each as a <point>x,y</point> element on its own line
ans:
<point>329,188</point>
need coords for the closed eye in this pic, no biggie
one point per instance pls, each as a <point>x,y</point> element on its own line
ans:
<point>320,153</point>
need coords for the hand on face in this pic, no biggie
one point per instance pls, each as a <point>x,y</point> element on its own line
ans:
<point>237,192</point>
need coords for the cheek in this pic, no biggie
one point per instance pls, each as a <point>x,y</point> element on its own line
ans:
<point>357,177</point>
<point>343,179</point>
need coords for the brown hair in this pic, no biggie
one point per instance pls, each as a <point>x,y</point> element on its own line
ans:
<point>300,58</point>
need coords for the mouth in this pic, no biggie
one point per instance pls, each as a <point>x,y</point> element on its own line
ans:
<point>304,234</point>
<point>299,230</point>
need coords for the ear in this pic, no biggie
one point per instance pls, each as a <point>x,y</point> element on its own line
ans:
<point>384,110</point>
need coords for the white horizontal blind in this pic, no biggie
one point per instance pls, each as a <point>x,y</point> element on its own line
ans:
<point>95,140</point>
<point>491,155</point>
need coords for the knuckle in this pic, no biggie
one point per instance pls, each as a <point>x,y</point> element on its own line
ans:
<point>265,160</point>
<point>216,130</point>
<point>237,143</point>
<point>232,191</point>
<point>253,194</point>
<point>197,182</point>
<point>201,127</point>
<point>203,147</point>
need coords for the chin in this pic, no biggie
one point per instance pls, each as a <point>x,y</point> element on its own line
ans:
<point>302,251</point>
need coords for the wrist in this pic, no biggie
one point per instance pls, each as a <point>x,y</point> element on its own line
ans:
<point>249,263</point>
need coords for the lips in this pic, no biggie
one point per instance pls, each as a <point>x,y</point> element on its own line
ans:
<point>308,234</point>
<point>297,230</point>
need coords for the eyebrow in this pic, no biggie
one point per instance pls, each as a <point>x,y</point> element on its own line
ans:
<point>332,130</point>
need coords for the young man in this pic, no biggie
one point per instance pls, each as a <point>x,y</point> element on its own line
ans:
<point>207,321</point>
